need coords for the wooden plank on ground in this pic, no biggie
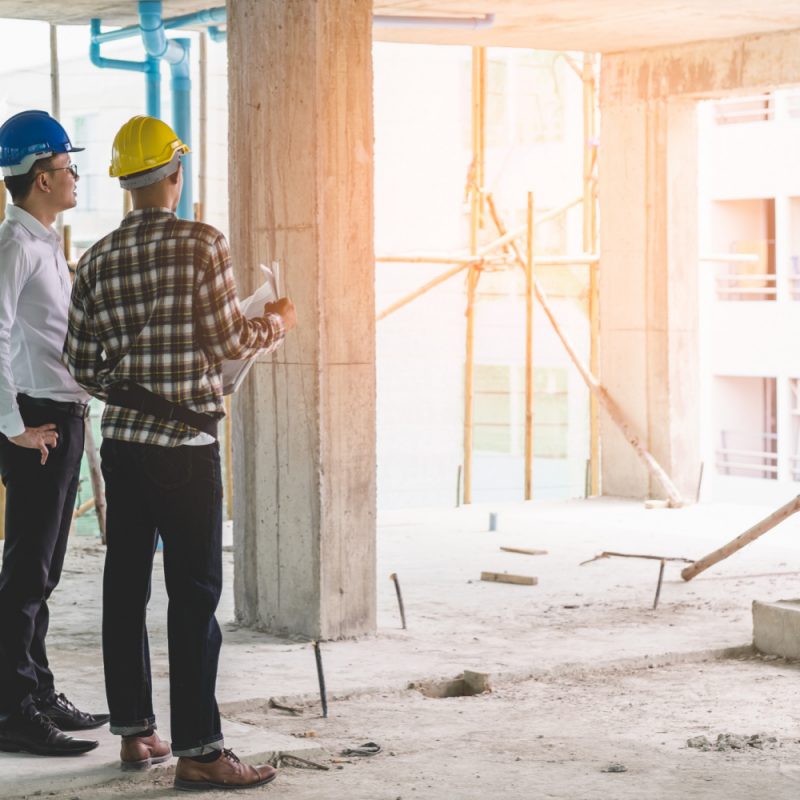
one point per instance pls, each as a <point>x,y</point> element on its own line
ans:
<point>504,577</point>
<point>526,551</point>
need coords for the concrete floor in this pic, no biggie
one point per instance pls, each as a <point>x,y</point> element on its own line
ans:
<point>578,620</point>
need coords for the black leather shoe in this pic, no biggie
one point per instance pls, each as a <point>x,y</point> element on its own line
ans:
<point>66,717</point>
<point>29,731</point>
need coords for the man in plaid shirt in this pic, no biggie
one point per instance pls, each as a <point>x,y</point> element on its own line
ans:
<point>154,312</point>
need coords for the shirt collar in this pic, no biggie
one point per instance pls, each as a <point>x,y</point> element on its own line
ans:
<point>28,221</point>
<point>140,214</point>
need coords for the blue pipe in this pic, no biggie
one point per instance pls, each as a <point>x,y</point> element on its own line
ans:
<point>176,53</point>
<point>216,35</point>
<point>214,16</point>
<point>207,17</point>
<point>181,86</point>
<point>150,68</point>
<point>153,86</point>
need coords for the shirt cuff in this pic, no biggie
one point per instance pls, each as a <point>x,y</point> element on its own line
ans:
<point>11,424</point>
<point>278,329</point>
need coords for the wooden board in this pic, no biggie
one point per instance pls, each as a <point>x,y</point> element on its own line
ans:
<point>504,577</point>
<point>525,551</point>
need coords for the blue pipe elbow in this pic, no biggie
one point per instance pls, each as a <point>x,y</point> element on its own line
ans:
<point>110,63</point>
<point>154,35</point>
<point>216,35</point>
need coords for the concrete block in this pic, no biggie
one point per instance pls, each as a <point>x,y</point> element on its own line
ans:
<point>776,628</point>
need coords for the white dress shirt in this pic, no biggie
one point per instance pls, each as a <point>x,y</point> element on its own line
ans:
<point>34,301</point>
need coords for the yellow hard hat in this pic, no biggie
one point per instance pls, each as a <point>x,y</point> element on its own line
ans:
<point>143,144</point>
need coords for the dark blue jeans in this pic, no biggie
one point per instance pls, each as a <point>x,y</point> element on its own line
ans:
<point>40,500</point>
<point>174,492</point>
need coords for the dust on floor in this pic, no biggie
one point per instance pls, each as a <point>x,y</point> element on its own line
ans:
<point>614,734</point>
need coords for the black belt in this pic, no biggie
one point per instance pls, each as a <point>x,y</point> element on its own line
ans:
<point>135,397</point>
<point>65,407</point>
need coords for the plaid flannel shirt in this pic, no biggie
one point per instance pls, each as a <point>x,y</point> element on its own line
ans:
<point>154,302</point>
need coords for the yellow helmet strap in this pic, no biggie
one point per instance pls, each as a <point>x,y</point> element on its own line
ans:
<point>150,176</point>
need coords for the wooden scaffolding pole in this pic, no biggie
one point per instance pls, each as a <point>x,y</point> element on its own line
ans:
<point>469,368</point>
<point>750,535</point>
<point>529,354</point>
<point>604,398</point>
<point>522,230</point>
<point>475,189</point>
<point>481,151</point>
<point>55,95</point>
<point>590,246</point>
<point>422,289</point>
<point>55,82</point>
<point>202,139</point>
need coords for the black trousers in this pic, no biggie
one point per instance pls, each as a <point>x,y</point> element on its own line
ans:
<point>39,504</point>
<point>175,492</point>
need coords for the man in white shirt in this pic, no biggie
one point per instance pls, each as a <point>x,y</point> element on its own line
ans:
<point>42,413</point>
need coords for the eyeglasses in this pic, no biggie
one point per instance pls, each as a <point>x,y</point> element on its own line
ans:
<point>73,168</point>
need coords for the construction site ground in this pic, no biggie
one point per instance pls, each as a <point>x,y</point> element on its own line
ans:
<point>593,693</point>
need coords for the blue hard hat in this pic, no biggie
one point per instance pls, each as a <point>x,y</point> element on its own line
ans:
<point>28,136</point>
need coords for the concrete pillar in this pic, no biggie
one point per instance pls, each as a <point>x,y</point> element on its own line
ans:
<point>300,184</point>
<point>648,288</point>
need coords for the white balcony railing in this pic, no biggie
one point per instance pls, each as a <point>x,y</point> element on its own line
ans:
<point>743,286</point>
<point>754,455</point>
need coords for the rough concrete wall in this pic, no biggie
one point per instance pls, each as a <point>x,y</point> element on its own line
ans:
<point>304,432</point>
<point>706,69</point>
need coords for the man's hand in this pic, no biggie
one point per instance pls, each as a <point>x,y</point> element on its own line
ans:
<point>285,308</point>
<point>38,439</point>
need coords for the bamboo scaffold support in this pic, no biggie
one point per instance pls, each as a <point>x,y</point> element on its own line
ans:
<point>529,354</point>
<point>463,263</point>
<point>604,398</point>
<point>522,230</point>
<point>589,78</point>
<point>473,276</point>
<point>403,301</point>
<point>475,188</point>
<point>750,535</point>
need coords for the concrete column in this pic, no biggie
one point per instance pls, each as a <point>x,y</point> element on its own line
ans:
<point>300,184</point>
<point>648,289</point>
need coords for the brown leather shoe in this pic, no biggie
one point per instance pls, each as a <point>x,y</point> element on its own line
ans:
<point>141,752</point>
<point>227,772</point>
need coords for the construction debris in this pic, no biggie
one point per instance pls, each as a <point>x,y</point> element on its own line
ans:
<point>277,704</point>
<point>393,577</point>
<point>366,749</point>
<point>476,682</point>
<point>505,577</point>
<point>323,697</point>
<point>610,554</point>
<point>524,551</point>
<point>733,741</point>
<point>662,559</point>
<point>291,760</point>
<point>467,684</point>
<point>651,504</point>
